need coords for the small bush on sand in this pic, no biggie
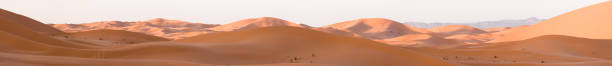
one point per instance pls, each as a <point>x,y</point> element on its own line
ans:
<point>313,55</point>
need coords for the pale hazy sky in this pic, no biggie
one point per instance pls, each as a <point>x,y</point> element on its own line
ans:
<point>311,12</point>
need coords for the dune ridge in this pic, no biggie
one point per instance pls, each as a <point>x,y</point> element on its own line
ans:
<point>256,23</point>
<point>171,29</point>
<point>376,28</point>
<point>586,22</point>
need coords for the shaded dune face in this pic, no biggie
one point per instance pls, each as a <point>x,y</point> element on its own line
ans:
<point>497,29</point>
<point>337,32</point>
<point>456,29</point>
<point>376,28</point>
<point>256,23</point>
<point>172,29</point>
<point>12,27</point>
<point>422,40</point>
<point>29,22</point>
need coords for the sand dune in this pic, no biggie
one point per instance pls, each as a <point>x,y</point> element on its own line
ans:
<point>172,29</point>
<point>268,46</point>
<point>497,29</point>
<point>256,23</point>
<point>115,36</point>
<point>14,32</point>
<point>585,22</point>
<point>329,48</point>
<point>376,28</point>
<point>473,38</point>
<point>308,46</point>
<point>576,38</point>
<point>31,24</point>
<point>421,40</point>
<point>456,29</point>
<point>462,34</point>
<point>549,50</point>
<point>337,32</point>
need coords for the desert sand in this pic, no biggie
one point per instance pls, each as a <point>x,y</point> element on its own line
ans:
<point>171,29</point>
<point>456,29</point>
<point>114,36</point>
<point>588,22</point>
<point>256,23</point>
<point>577,38</point>
<point>376,28</point>
<point>268,46</point>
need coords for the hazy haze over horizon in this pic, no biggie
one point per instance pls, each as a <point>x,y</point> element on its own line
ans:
<point>311,12</point>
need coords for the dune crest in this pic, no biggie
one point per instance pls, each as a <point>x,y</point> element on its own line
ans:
<point>31,24</point>
<point>586,22</point>
<point>376,28</point>
<point>172,29</point>
<point>456,29</point>
<point>256,23</point>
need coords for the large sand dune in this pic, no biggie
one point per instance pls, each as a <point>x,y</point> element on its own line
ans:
<point>172,29</point>
<point>31,24</point>
<point>577,38</point>
<point>588,22</point>
<point>256,23</point>
<point>376,28</point>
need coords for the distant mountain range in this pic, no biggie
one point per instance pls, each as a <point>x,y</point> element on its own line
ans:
<point>482,24</point>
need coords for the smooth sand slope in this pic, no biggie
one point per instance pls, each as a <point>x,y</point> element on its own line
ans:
<point>115,36</point>
<point>562,45</point>
<point>376,28</point>
<point>589,22</point>
<point>29,22</point>
<point>275,44</point>
<point>14,31</point>
<point>256,23</point>
<point>549,50</point>
<point>572,39</point>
